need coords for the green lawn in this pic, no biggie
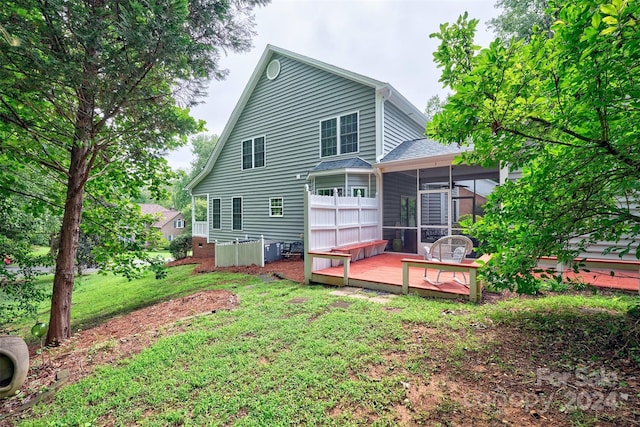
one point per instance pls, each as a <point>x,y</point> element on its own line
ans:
<point>289,355</point>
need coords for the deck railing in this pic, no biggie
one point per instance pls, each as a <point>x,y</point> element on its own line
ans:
<point>334,221</point>
<point>199,229</point>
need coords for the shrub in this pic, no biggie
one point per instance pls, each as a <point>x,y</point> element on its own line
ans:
<point>180,246</point>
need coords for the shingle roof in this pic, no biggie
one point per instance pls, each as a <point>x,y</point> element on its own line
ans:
<point>352,163</point>
<point>419,148</point>
<point>166,215</point>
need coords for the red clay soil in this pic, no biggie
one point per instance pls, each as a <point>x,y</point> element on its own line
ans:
<point>127,335</point>
<point>292,269</point>
<point>117,338</point>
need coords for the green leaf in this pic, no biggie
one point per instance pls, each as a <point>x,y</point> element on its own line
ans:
<point>609,9</point>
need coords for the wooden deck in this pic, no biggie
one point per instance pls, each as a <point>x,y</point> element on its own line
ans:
<point>384,272</point>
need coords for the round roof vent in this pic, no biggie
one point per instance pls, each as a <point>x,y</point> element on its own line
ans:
<point>273,69</point>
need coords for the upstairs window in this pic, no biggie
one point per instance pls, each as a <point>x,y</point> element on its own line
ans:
<point>339,135</point>
<point>253,153</point>
<point>179,223</point>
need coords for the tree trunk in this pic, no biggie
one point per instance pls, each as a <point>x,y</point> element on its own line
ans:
<point>60,316</point>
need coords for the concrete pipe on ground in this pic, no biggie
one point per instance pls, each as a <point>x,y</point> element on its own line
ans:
<point>14,365</point>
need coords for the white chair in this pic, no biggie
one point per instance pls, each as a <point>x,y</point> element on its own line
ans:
<point>448,249</point>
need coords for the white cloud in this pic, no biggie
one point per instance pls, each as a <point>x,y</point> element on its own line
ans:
<point>384,39</point>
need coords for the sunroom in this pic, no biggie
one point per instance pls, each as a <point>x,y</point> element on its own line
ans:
<point>426,194</point>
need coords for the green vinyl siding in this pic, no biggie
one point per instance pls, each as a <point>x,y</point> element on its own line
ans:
<point>287,111</point>
<point>398,127</point>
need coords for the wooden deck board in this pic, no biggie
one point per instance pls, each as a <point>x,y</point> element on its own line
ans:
<point>385,271</point>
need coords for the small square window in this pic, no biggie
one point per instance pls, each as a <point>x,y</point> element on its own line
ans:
<point>276,207</point>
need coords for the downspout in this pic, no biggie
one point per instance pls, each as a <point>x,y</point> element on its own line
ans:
<point>382,94</point>
<point>193,212</point>
<point>378,174</point>
<point>193,205</point>
<point>450,201</point>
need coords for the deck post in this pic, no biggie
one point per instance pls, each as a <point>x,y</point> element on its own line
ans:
<point>346,263</point>
<point>474,287</point>
<point>308,260</point>
<point>405,278</point>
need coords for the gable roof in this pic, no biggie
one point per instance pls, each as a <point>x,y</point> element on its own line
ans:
<point>385,89</point>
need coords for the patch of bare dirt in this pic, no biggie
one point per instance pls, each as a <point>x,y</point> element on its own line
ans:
<point>516,378</point>
<point>292,269</point>
<point>117,338</point>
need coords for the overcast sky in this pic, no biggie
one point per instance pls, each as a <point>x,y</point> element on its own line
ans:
<point>387,40</point>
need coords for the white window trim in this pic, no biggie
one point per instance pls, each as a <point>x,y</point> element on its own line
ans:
<point>253,152</point>
<point>219,213</point>
<point>338,152</point>
<point>271,214</point>
<point>180,223</point>
<point>361,190</point>
<point>241,214</point>
<point>330,189</point>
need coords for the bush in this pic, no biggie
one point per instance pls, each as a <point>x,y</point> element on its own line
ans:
<point>180,246</point>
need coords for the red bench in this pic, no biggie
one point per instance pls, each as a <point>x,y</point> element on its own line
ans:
<point>362,249</point>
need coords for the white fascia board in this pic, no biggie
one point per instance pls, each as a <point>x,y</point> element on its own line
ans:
<point>359,78</point>
<point>394,97</point>
<point>407,107</point>
<point>388,92</point>
<point>235,115</point>
<point>331,172</point>
<point>419,163</point>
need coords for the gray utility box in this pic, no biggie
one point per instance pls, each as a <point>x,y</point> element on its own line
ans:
<point>273,251</point>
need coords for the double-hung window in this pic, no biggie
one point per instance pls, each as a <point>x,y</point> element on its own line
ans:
<point>276,207</point>
<point>216,214</point>
<point>179,223</point>
<point>253,153</point>
<point>339,135</point>
<point>236,213</point>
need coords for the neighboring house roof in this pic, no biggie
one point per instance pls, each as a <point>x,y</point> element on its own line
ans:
<point>166,215</point>
<point>420,148</point>
<point>353,163</point>
<point>384,89</point>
